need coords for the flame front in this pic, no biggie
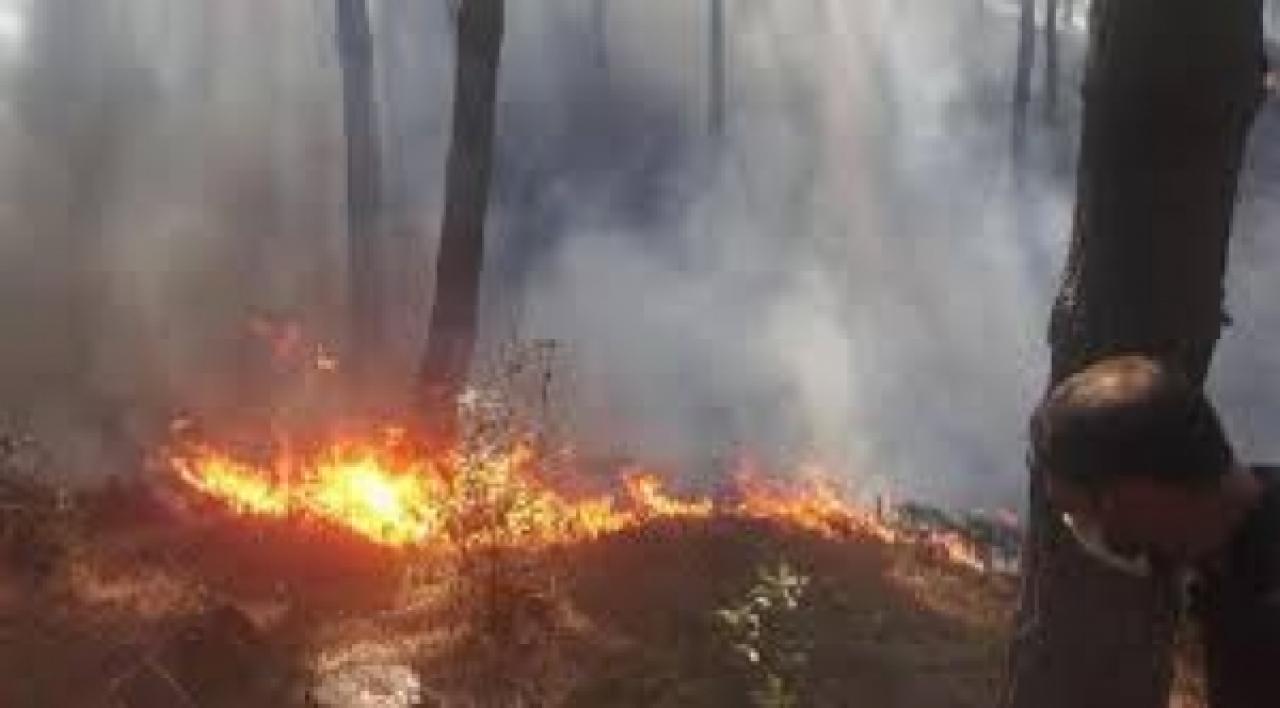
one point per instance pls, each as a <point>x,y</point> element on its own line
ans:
<point>385,498</point>
<point>386,494</point>
<point>385,488</point>
<point>241,487</point>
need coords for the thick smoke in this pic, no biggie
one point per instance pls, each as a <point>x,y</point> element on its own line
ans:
<point>173,169</point>
<point>845,277</point>
<point>853,273</point>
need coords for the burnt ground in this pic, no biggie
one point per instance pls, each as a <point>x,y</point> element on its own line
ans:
<point>229,613</point>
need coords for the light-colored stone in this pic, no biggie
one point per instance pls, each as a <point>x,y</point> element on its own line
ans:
<point>369,686</point>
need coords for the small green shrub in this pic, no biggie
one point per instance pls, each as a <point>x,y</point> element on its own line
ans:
<point>765,629</point>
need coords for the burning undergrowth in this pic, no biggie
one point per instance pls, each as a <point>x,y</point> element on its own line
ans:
<point>110,598</point>
<point>510,478</point>
<point>502,570</point>
<point>390,494</point>
<point>511,599</point>
<point>389,491</point>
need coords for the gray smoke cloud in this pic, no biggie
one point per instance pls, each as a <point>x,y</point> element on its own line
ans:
<point>853,277</point>
<point>854,274</point>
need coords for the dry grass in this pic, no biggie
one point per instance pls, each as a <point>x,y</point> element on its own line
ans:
<point>625,621</point>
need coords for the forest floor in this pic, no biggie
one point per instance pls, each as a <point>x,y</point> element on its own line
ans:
<point>721,612</point>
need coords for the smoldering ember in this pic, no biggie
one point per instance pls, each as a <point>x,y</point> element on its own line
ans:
<point>366,353</point>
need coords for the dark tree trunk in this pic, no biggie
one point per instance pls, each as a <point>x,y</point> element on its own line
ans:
<point>717,59</point>
<point>454,318</point>
<point>1171,90</point>
<point>1052,18</point>
<point>364,188</point>
<point>1022,74</point>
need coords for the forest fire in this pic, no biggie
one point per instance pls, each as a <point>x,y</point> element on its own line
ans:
<point>390,494</point>
<point>390,499</point>
<point>382,492</point>
<point>387,489</point>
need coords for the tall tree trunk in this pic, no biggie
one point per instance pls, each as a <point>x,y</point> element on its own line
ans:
<point>1171,90</point>
<point>364,187</point>
<point>1052,18</point>
<point>454,317</point>
<point>717,59</point>
<point>1022,75</point>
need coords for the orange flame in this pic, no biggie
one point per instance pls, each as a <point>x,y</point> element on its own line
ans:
<point>816,508</point>
<point>384,490</point>
<point>364,489</point>
<point>385,493</point>
<point>648,495</point>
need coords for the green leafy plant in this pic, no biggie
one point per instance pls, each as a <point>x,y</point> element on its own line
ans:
<point>765,629</point>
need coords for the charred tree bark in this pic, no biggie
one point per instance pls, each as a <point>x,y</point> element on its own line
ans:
<point>1052,18</point>
<point>364,183</point>
<point>454,318</point>
<point>1171,90</point>
<point>1022,74</point>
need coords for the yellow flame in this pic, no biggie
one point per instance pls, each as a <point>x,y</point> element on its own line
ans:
<point>380,491</point>
<point>388,501</point>
<point>648,495</point>
<point>361,494</point>
<point>240,486</point>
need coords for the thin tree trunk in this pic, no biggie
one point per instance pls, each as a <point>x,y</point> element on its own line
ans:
<point>1164,136</point>
<point>717,59</point>
<point>454,318</point>
<point>364,188</point>
<point>1052,18</point>
<point>1022,76</point>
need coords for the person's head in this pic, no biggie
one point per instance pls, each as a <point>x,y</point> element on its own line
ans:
<point>1134,450</point>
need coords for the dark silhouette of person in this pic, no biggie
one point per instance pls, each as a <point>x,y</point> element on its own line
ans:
<point>1139,465</point>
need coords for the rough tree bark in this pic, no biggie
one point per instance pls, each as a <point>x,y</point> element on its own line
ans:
<point>1171,90</point>
<point>364,186</point>
<point>454,317</point>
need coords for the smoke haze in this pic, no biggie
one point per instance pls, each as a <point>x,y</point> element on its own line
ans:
<point>852,274</point>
